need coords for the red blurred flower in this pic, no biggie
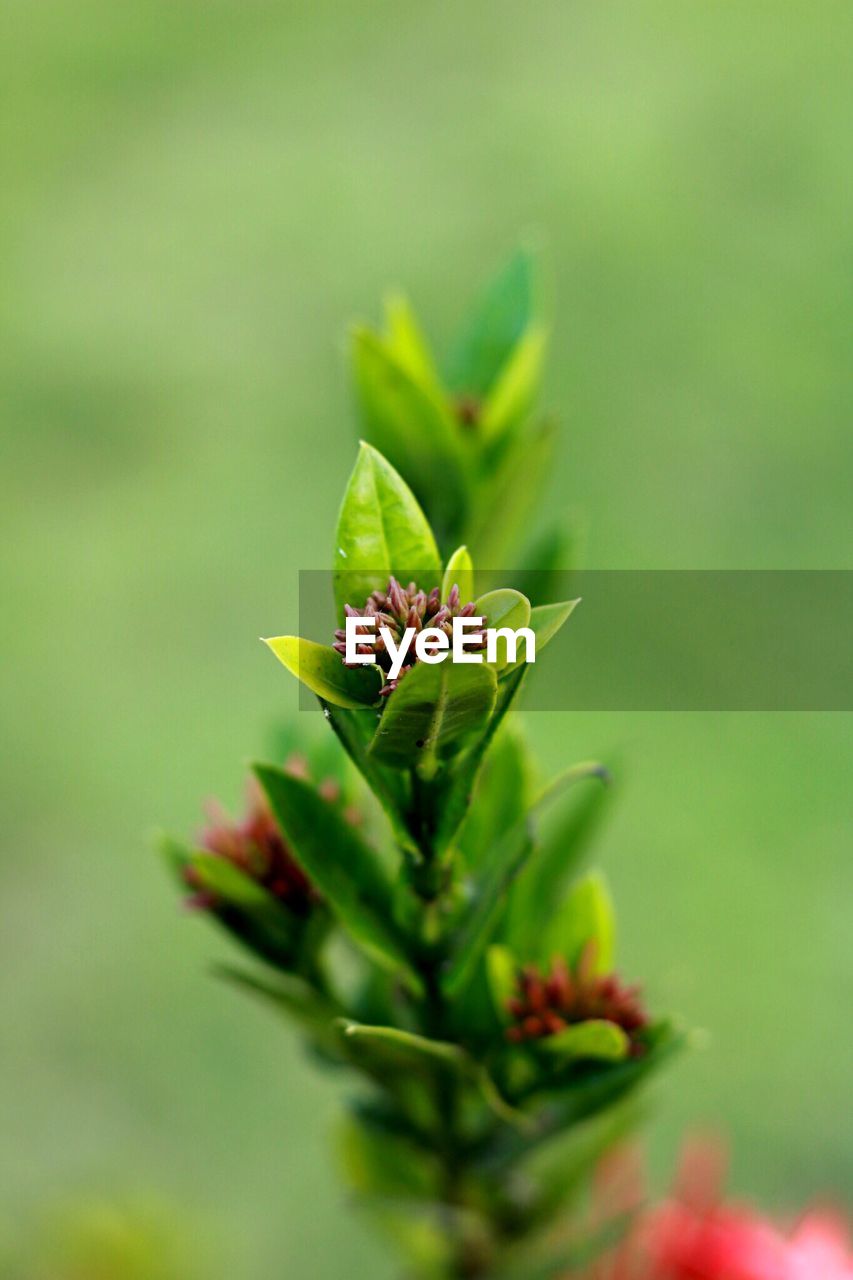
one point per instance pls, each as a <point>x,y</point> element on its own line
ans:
<point>721,1243</point>
<point>819,1249</point>
<point>695,1235</point>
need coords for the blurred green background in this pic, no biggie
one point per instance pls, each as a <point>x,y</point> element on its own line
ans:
<point>196,198</point>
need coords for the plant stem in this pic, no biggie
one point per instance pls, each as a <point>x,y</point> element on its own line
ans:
<point>431,888</point>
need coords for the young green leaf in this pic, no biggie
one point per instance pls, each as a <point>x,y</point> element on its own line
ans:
<point>476,927</point>
<point>560,1168</point>
<point>552,551</point>
<point>505,609</point>
<point>381,531</point>
<point>406,342</point>
<point>510,492</point>
<point>502,972</point>
<point>459,573</point>
<point>321,669</point>
<point>344,869</point>
<point>431,711</point>
<point>563,845</point>
<point>496,325</point>
<point>412,427</point>
<point>500,798</point>
<point>227,883</point>
<point>241,906</point>
<point>428,1235</point>
<point>517,384</point>
<point>604,1084</point>
<point>596,1038</point>
<point>547,619</point>
<point>584,917</point>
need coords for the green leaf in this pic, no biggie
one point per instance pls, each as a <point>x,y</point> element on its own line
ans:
<point>509,856</point>
<point>516,386</point>
<point>504,608</point>
<point>220,877</point>
<point>355,730</point>
<point>585,916</point>
<point>563,845</point>
<point>432,709</point>
<point>546,566</point>
<point>407,344</point>
<point>460,573</point>
<point>553,551</point>
<point>241,906</point>
<point>598,1087</point>
<point>344,869</point>
<point>321,670</point>
<point>388,1049</point>
<point>409,421</point>
<point>381,531</point>
<point>477,926</point>
<point>597,1039</point>
<point>589,1089</point>
<point>402,1050</point>
<point>473,1019</point>
<point>502,971</point>
<point>510,493</point>
<point>458,787</point>
<point>547,619</point>
<point>500,798</point>
<point>495,327</point>
<point>381,1163</point>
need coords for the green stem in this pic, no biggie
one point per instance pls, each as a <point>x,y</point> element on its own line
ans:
<point>431,885</point>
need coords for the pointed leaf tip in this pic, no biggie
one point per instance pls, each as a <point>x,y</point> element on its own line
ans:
<point>381,532</point>
<point>320,669</point>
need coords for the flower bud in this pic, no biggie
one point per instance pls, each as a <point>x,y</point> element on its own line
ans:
<point>547,1003</point>
<point>398,608</point>
<point>257,848</point>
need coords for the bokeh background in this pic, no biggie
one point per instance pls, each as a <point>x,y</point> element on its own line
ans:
<point>196,198</point>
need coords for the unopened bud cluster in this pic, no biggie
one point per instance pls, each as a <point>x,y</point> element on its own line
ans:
<point>397,610</point>
<point>549,1002</point>
<point>255,846</point>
